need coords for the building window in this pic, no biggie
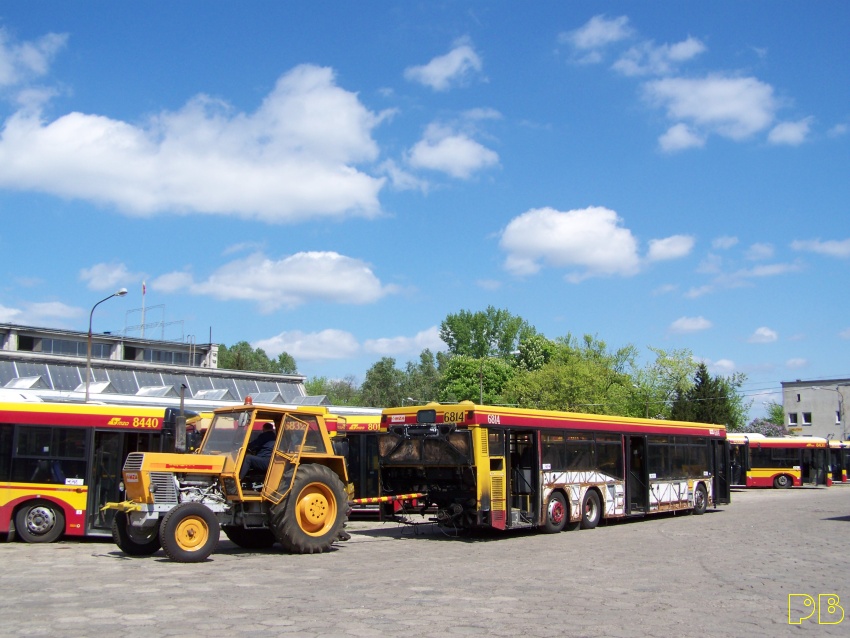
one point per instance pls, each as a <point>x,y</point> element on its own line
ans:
<point>792,418</point>
<point>807,418</point>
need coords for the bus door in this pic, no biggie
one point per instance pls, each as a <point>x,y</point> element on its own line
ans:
<point>524,478</point>
<point>637,475</point>
<point>104,477</point>
<point>720,470</point>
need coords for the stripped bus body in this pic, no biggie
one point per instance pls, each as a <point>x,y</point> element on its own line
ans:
<point>505,468</point>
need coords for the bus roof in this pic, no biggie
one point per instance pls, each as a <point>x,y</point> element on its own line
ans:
<point>468,413</point>
<point>775,441</point>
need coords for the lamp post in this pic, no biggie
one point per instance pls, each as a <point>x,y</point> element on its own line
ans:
<point>119,293</point>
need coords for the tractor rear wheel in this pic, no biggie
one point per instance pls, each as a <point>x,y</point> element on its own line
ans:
<point>311,517</point>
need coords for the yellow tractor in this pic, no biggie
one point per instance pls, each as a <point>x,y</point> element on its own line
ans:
<point>180,502</point>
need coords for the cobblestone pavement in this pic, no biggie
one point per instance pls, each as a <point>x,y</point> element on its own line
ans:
<point>728,573</point>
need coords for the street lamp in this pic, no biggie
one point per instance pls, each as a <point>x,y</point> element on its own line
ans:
<point>119,293</point>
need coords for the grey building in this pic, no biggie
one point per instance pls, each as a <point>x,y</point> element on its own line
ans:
<point>52,365</point>
<point>816,407</point>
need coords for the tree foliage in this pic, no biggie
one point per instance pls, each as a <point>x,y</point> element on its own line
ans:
<point>712,399</point>
<point>383,386</point>
<point>241,356</point>
<point>466,378</point>
<point>338,391</point>
<point>483,334</point>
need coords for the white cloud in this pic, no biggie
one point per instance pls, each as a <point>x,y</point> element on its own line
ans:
<point>723,367</point>
<point>294,158</point>
<point>21,62</point>
<point>838,130</point>
<point>845,334</point>
<point>832,247</point>
<point>109,276</point>
<point>723,243</point>
<point>40,313</point>
<point>673,247</point>
<point>447,70</point>
<point>758,252</point>
<point>763,335</point>
<point>290,281</point>
<point>598,32</point>
<point>392,346</point>
<point>733,107</point>
<point>647,58</point>
<point>680,137</point>
<point>790,133</point>
<point>324,345</point>
<point>10,315</point>
<point>684,325</point>
<point>796,364</point>
<point>590,239</point>
<point>452,152</point>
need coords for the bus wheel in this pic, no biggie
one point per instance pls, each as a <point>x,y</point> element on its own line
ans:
<point>556,514</point>
<point>134,541</point>
<point>700,499</point>
<point>249,538</point>
<point>781,482</point>
<point>311,517</point>
<point>591,510</point>
<point>40,522</point>
<point>189,533</point>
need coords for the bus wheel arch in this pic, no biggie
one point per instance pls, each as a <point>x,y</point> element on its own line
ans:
<point>39,521</point>
<point>557,513</point>
<point>700,499</point>
<point>591,509</point>
<point>782,481</point>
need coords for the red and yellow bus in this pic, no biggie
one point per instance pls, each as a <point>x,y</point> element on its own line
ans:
<point>839,460</point>
<point>780,462</point>
<point>507,468</point>
<point>360,433</point>
<point>59,463</point>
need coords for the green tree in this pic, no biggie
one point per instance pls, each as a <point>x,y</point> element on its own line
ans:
<point>466,378</point>
<point>422,380</point>
<point>483,334</point>
<point>240,356</point>
<point>338,391</point>
<point>775,414</point>
<point>712,399</point>
<point>656,384</point>
<point>383,386</point>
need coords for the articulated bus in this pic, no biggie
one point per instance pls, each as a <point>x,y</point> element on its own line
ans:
<point>780,462</point>
<point>59,463</point>
<point>839,460</point>
<point>506,468</point>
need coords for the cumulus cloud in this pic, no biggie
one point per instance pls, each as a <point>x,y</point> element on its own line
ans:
<point>733,107</point>
<point>23,61</point>
<point>684,325</point>
<point>10,315</point>
<point>324,345</point>
<point>796,364</point>
<point>723,367</point>
<point>673,247</point>
<point>648,58</point>
<point>394,346</point>
<point>450,151</point>
<point>724,243</point>
<point>831,248</point>
<point>763,335</point>
<point>790,133</point>
<point>591,240</point>
<point>597,33</point>
<point>290,281</point>
<point>109,276</point>
<point>41,313</point>
<point>759,251</point>
<point>680,137</point>
<point>294,158</point>
<point>448,70</point>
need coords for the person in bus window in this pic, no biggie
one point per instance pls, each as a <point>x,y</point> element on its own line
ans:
<point>259,451</point>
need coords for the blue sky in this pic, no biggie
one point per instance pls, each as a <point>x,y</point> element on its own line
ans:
<point>334,181</point>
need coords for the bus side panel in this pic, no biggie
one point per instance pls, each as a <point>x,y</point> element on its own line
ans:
<point>765,477</point>
<point>72,501</point>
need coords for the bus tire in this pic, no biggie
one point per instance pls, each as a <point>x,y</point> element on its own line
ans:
<point>782,482</point>
<point>700,499</point>
<point>311,517</point>
<point>189,533</point>
<point>40,522</point>
<point>591,510</point>
<point>133,541</point>
<point>557,514</point>
<point>249,538</point>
